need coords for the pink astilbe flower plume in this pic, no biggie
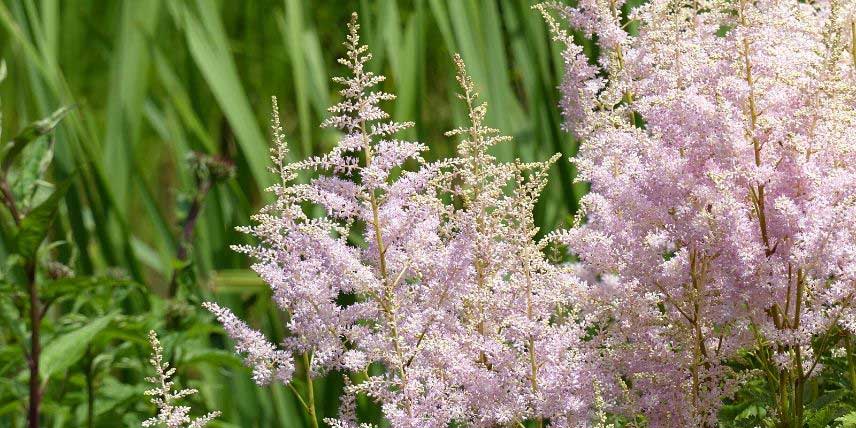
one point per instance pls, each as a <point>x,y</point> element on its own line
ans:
<point>448,289</point>
<point>395,281</point>
<point>719,142</point>
<point>268,363</point>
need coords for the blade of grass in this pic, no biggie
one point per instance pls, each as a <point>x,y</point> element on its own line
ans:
<point>291,27</point>
<point>209,47</point>
<point>128,85</point>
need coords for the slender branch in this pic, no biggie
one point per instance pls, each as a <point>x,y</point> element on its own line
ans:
<point>389,287</point>
<point>800,377</point>
<point>674,303</point>
<point>827,339</point>
<point>299,397</point>
<point>533,362</point>
<point>9,200</point>
<point>853,42</point>
<point>757,194</point>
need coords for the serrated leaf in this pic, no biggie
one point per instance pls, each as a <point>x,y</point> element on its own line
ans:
<point>752,411</point>
<point>34,227</point>
<point>65,350</point>
<point>29,134</point>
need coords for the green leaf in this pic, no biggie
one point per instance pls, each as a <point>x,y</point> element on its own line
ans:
<point>11,406</point>
<point>823,416</point>
<point>216,357</point>
<point>35,160</point>
<point>848,420</point>
<point>34,227</point>
<point>10,318</point>
<point>752,411</point>
<point>238,281</point>
<point>129,80</point>
<point>12,358</point>
<point>29,134</point>
<point>65,286</point>
<point>114,393</point>
<point>292,29</point>
<point>62,352</point>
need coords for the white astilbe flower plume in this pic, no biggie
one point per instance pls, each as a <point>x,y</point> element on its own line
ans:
<point>170,413</point>
<point>519,350</point>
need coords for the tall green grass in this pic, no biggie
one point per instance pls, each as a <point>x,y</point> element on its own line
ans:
<point>153,80</point>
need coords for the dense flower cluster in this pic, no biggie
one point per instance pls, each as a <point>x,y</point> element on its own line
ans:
<point>429,270</point>
<point>718,139</point>
<point>720,144</point>
<point>522,356</point>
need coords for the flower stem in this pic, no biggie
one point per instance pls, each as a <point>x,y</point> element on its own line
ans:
<point>310,391</point>
<point>388,303</point>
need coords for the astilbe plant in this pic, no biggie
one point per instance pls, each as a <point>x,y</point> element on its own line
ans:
<point>171,413</point>
<point>430,271</point>
<point>720,144</point>
<point>521,351</point>
<point>313,263</point>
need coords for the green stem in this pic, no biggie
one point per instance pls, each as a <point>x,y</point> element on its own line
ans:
<point>313,417</point>
<point>34,404</point>
<point>533,362</point>
<point>388,301</point>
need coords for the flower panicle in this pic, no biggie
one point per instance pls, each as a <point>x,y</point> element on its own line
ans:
<point>170,413</point>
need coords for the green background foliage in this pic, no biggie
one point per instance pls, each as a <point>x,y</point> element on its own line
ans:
<point>153,80</point>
